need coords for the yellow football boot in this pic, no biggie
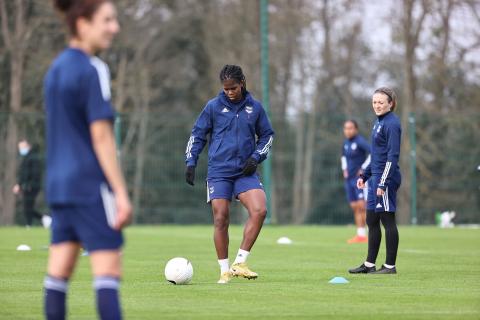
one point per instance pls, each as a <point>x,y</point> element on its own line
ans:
<point>242,270</point>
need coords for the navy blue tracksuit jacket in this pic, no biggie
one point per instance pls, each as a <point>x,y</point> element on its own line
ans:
<point>386,136</point>
<point>235,133</point>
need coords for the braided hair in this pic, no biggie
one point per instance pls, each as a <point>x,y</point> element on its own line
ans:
<point>233,72</point>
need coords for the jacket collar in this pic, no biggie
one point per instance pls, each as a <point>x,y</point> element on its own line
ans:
<point>234,106</point>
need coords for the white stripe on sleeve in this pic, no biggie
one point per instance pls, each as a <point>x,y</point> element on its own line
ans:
<point>344,162</point>
<point>366,162</point>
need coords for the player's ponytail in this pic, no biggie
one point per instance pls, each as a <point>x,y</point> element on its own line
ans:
<point>72,10</point>
<point>392,97</point>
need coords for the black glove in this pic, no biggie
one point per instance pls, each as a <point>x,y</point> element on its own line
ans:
<point>250,167</point>
<point>190,175</point>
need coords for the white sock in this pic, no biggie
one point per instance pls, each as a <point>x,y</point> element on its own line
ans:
<point>369,264</point>
<point>362,232</point>
<point>224,265</point>
<point>241,256</point>
<point>388,266</point>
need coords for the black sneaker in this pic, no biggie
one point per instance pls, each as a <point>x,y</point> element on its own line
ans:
<point>362,269</point>
<point>385,270</point>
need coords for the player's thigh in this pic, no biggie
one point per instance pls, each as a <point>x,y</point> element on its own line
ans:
<point>106,263</point>
<point>62,258</point>
<point>254,200</point>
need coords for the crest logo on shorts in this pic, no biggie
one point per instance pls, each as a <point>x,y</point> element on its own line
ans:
<point>212,189</point>
<point>249,109</point>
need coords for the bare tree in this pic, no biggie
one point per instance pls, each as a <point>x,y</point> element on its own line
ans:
<point>16,30</point>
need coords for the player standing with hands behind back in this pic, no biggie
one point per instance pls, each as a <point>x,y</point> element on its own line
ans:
<point>383,176</point>
<point>82,165</point>
<point>240,137</point>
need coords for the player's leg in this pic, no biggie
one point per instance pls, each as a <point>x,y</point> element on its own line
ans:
<point>61,263</point>
<point>255,203</point>
<point>250,192</point>
<point>103,245</point>
<point>62,257</point>
<point>358,208</point>
<point>374,231</point>
<point>219,195</point>
<point>391,230</point>
<point>28,203</point>
<point>221,221</point>
<point>107,271</point>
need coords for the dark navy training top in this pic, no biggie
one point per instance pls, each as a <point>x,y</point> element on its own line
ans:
<point>235,132</point>
<point>77,93</point>
<point>355,155</point>
<point>386,136</point>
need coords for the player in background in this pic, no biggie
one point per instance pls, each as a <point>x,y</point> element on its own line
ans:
<point>240,137</point>
<point>355,159</point>
<point>384,179</point>
<point>86,190</point>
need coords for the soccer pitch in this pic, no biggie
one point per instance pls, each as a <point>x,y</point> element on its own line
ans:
<point>439,276</point>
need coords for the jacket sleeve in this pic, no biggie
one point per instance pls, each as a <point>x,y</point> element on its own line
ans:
<point>265,134</point>
<point>393,133</point>
<point>366,148</point>
<point>198,137</point>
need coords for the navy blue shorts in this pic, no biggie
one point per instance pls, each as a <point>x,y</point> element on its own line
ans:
<point>86,224</point>
<point>351,190</point>
<point>387,202</point>
<point>228,188</point>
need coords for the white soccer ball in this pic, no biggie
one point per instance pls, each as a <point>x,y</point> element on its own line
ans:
<point>178,271</point>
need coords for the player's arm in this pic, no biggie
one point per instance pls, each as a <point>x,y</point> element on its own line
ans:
<point>366,148</point>
<point>264,132</point>
<point>343,161</point>
<point>393,133</point>
<point>196,143</point>
<point>103,141</point>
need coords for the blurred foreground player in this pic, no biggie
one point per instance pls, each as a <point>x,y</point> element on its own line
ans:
<point>85,187</point>
<point>383,176</point>
<point>355,159</point>
<point>240,137</point>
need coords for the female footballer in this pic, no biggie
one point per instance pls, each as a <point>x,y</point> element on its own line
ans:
<point>240,137</point>
<point>355,159</point>
<point>85,186</point>
<point>383,176</point>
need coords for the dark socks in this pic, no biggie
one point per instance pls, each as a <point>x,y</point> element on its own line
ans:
<point>108,304</point>
<point>391,236</point>
<point>55,296</point>
<point>374,235</point>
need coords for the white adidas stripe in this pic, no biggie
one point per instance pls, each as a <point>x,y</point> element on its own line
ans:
<point>189,147</point>
<point>266,148</point>
<point>385,173</point>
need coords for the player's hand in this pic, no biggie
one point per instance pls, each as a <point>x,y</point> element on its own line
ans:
<point>380,192</point>
<point>250,167</point>
<point>16,189</point>
<point>190,175</point>
<point>345,174</point>
<point>360,183</point>
<point>124,210</point>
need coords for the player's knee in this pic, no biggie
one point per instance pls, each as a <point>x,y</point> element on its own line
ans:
<point>221,221</point>
<point>373,219</point>
<point>259,212</point>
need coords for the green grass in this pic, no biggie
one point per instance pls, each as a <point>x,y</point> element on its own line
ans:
<point>439,276</point>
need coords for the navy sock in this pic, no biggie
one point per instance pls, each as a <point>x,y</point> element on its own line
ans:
<point>55,296</point>
<point>108,304</point>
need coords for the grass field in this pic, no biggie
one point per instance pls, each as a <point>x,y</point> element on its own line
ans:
<point>439,276</point>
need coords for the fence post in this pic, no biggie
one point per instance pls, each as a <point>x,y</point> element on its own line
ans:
<point>413,168</point>
<point>117,128</point>
<point>267,164</point>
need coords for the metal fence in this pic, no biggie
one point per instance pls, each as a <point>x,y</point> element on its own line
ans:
<point>152,153</point>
